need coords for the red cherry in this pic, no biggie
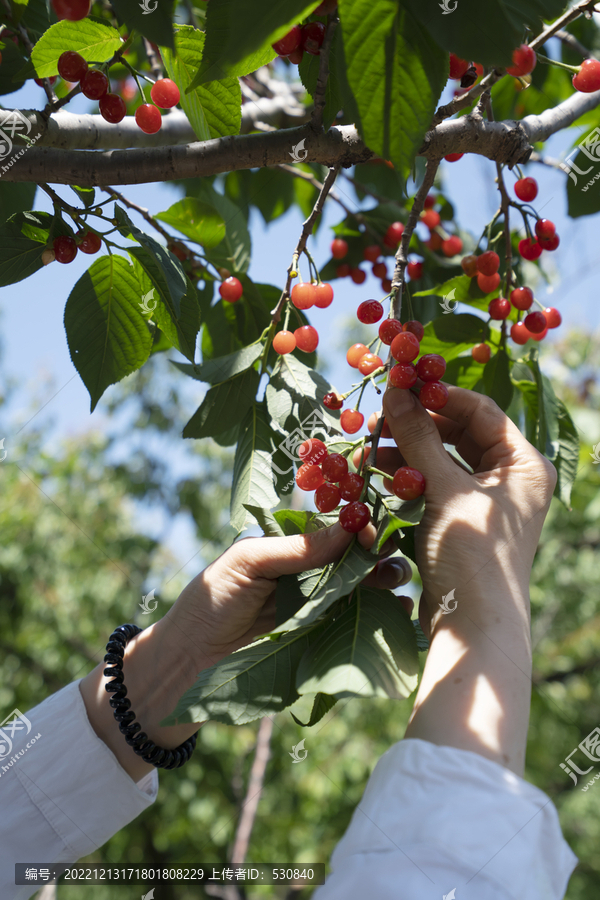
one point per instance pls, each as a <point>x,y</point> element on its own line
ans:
<point>519,333</point>
<point>453,157</point>
<point>284,342</point>
<point>369,312</point>
<point>380,270</point>
<point>339,248</point>
<point>587,79</point>
<point>303,295</point>
<point>231,289</point>
<point>355,517</point>
<point>499,308</point>
<point>351,486</point>
<point>386,285</point>
<point>393,235</point>
<point>405,347</point>
<point>481,353</point>
<point>40,81</point>
<point>435,242</point>
<point>323,294</point>
<point>332,400</point>
<point>431,367</point>
<point>335,466</point>
<point>73,10</point>
<point>415,270</point>
<point>148,118</point>
<point>307,338</point>
<point>313,35</point>
<point>540,335</point>
<point>351,421</point>
<point>179,250</point>
<point>431,218</point>
<point>388,330</point>
<point>415,328</point>
<point>369,363</point>
<point>403,375</point>
<point>327,498</point>
<point>429,201</point>
<point>165,93</point>
<point>113,109</point>
<point>433,395</point>
<point>549,243</point>
<point>372,253</point>
<point>458,67</point>
<point>553,317</point>
<point>521,298</point>
<point>535,322</point>
<point>545,229</point>
<point>288,43</point>
<point>343,271</point>
<point>530,249</point>
<point>469,266</point>
<point>358,276</point>
<point>452,246</point>
<point>309,477</point>
<point>312,451</point>
<point>90,241</point>
<point>65,248</point>
<point>524,61</point>
<point>94,84</point>
<point>488,263</point>
<point>526,189</point>
<point>355,354</point>
<point>71,66</point>
<point>408,484</point>
<point>488,283</point>
<point>296,56</point>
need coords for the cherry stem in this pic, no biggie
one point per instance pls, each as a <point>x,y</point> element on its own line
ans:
<point>561,65</point>
<point>376,471</point>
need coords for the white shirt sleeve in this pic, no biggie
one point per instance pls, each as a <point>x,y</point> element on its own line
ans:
<point>437,819</point>
<point>64,794</point>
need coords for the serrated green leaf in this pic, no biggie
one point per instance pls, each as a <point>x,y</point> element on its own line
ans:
<point>22,241</point>
<point>223,367</point>
<point>107,335</point>
<point>234,250</point>
<point>253,481</point>
<point>422,642</point>
<point>11,77</point>
<point>87,195</point>
<point>292,521</point>
<point>388,526</point>
<point>567,461</point>
<point>296,390</point>
<point>95,41</point>
<point>464,372</point>
<point>294,590</point>
<point>266,520</point>
<point>450,336</point>
<point>496,379</point>
<point>223,406</point>
<point>410,511</point>
<point>15,197</point>
<point>370,650</point>
<point>396,72</point>
<point>198,221</point>
<point>321,706</point>
<point>151,18</point>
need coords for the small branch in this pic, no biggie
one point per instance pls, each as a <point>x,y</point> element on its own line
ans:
<point>578,10</point>
<point>255,786</point>
<point>154,60</point>
<point>567,38</point>
<point>29,47</point>
<point>504,211</point>
<point>139,209</point>
<point>316,119</point>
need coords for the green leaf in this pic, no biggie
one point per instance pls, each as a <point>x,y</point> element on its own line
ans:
<point>258,680</point>
<point>341,579</point>
<point>93,40</point>
<point>294,590</point>
<point>15,197</point>
<point>567,461</point>
<point>309,73</point>
<point>11,78</point>
<point>213,109</point>
<point>297,390</point>
<point>223,406</point>
<point>459,289</point>
<point>198,221</point>
<point>388,526</point>
<point>370,650</point>
<point>422,642</point>
<point>22,241</point>
<point>464,372</point>
<point>223,367</point>
<point>450,336</point>
<point>239,35</point>
<point>253,482</point>
<point>583,185</point>
<point>396,73</point>
<point>411,511</point>
<point>235,249</point>
<point>107,335</point>
<point>321,705</point>
<point>266,520</point>
<point>86,195</point>
<point>156,25</point>
<point>292,521</point>
<point>496,379</point>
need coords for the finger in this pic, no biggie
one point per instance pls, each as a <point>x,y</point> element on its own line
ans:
<point>459,437</point>
<point>372,424</point>
<point>270,557</point>
<point>416,435</point>
<point>485,422</point>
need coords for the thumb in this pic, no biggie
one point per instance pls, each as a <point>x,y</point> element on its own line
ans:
<point>270,557</point>
<point>415,433</point>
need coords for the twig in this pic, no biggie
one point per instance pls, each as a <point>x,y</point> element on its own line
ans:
<point>139,209</point>
<point>29,47</point>
<point>255,786</point>
<point>316,119</point>
<point>565,19</point>
<point>153,59</point>
<point>567,38</point>
<point>505,211</point>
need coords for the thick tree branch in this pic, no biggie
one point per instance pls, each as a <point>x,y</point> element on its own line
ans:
<point>506,142</point>
<point>255,786</point>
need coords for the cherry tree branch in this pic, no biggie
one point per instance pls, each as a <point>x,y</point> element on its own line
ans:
<point>255,786</point>
<point>321,88</point>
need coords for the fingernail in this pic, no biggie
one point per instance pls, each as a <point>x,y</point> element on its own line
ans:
<point>397,402</point>
<point>393,573</point>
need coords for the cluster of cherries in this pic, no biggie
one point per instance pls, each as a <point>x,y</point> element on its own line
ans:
<point>64,247</point>
<point>546,237</point>
<point>327,474</point>
<point>306,38</point>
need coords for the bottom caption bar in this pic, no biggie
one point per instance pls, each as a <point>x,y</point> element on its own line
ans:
<point>255,873</point>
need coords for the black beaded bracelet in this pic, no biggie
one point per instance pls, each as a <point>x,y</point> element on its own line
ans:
<point>124,715</point>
